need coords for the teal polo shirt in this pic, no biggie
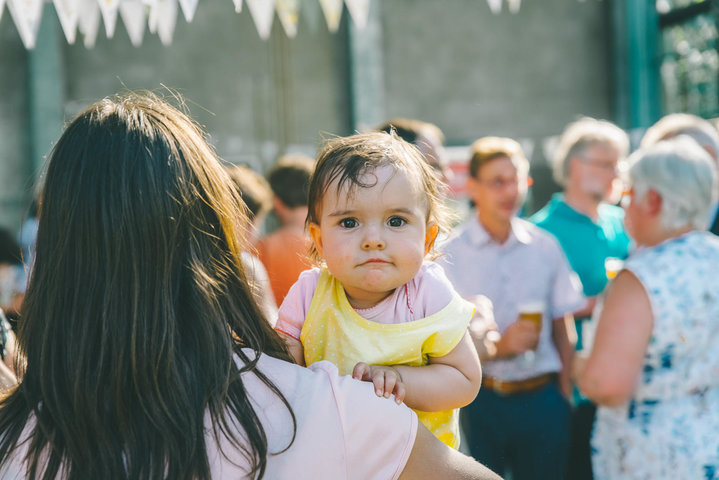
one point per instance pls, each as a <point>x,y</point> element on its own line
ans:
<point>587,244</point>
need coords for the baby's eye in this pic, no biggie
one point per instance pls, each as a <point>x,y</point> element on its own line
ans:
<point>348,223</point>
<point>396,222</point>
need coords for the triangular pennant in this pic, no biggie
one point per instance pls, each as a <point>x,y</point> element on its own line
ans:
<point>238,5</point>
<point>88,21</point>
<point>188,9</point>
<point>134,17</point>
<point>163,16</point>
<point>109,15</point>
<point>289,13</point>
<point>67,12</point>
<point>263,12</point>
<point>27,15</point>
<point>359,11</point>
<point>514,5</point>
<point>495,6</point>
<point>333,13</point>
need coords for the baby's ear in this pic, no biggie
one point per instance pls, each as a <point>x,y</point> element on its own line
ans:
<point>316,235</point>
<point>430,237</point>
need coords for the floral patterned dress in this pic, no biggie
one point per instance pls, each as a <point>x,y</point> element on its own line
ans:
<point>670,427</point>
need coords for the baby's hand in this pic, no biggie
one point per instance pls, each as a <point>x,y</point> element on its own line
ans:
<point>386,379</point>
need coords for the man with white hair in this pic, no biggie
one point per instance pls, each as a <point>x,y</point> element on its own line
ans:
<point>701,131</point>
<point>590,231</point>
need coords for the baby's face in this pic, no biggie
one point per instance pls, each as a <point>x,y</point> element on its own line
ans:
<point>373,239</point>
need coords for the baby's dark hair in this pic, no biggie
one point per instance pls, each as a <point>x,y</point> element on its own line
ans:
<point>347,159</point>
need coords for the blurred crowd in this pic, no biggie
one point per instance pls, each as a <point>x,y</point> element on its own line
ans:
<point>595,320</point>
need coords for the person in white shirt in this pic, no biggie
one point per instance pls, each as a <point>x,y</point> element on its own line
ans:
<point>520,418</point>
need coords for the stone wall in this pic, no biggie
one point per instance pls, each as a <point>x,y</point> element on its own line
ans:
<point>450,62</point>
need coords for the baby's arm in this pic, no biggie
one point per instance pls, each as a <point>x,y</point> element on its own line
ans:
<point>448,382</point>
<point>291,314</point>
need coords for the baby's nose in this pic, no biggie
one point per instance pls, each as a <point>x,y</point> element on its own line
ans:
<point>373,241</point>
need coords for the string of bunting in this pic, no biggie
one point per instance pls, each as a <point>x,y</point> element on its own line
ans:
<point>160,16</point>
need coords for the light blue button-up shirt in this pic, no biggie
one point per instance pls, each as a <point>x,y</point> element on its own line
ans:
<point>528,267</point>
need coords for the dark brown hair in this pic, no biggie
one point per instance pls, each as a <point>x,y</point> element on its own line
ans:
<point>347,159</point>
<point>290,177</point>
<point>137,306</point>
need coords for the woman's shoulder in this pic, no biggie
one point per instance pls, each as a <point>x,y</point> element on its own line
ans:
<point>338,407</point>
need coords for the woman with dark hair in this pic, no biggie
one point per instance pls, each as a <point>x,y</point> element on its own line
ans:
<point>143,352</point>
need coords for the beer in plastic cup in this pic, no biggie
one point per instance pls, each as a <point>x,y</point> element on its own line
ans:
<point>532,311</point>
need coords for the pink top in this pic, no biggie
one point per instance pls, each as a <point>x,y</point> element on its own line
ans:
<point>427,293</point>
<point>344,431</point>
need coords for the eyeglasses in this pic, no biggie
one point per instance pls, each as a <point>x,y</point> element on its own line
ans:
<point>606,166</point>
<point>499,183</point>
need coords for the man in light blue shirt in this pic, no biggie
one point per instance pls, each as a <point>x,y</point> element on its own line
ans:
<point>520,418</point>
<point>590,231</point>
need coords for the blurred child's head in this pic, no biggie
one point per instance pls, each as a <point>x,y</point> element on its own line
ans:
<point>256,194</point>
<point>289,179</point>
<point>374,210</point>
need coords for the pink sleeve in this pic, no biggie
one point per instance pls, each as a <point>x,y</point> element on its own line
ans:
<point>294,308</point>
<point>378,433</point>
<point>432,289</point>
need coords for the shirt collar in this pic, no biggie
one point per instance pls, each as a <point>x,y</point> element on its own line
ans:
<point>479,236</point>
<point>560,205</point>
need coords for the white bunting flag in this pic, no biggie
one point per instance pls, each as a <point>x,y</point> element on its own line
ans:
<point>109,15</point>
<point>495,6</point>
<point>238,5</point>
<point>188,9</point>
<point>163,16</point>
<point>27,15</point>
<point>88,21</point>
<point>289,13</point>
<point>67,12</point>
<point>359,11</point>
<point>263,12</point>
<point>514,5</point>
<point>134,17</point>
<point>152,15</point>
<point>333,13</point>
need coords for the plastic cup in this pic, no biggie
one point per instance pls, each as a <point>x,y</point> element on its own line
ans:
<point>533,312</point>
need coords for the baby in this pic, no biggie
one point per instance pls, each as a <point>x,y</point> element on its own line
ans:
<point>377,308</point>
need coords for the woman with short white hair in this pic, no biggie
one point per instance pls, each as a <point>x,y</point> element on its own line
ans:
<point>654,366</point>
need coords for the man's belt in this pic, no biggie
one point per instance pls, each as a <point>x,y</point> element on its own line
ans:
<point>519,386</point>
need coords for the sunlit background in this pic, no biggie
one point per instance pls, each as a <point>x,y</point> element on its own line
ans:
<point>472,67</point>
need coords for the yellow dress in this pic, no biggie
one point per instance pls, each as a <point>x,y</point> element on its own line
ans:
<point>334,331</point>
